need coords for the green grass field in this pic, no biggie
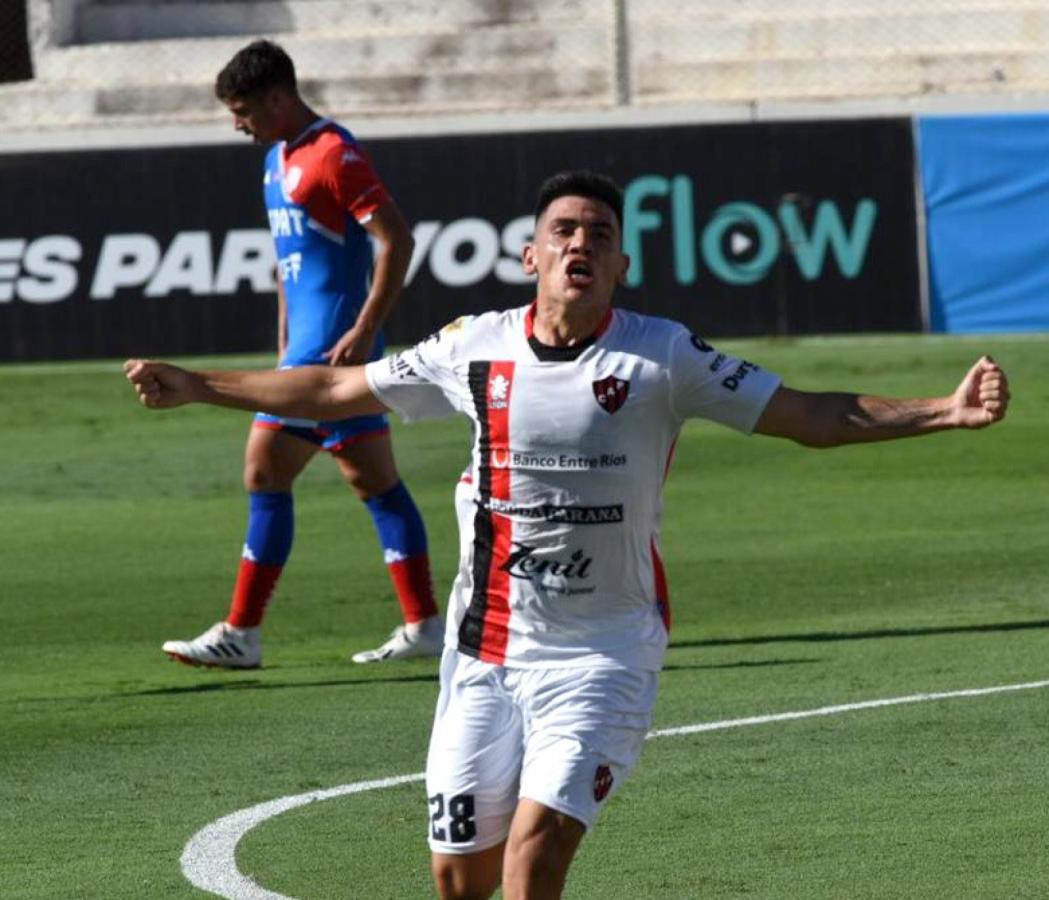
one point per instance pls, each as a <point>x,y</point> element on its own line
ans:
<point>800,579</point>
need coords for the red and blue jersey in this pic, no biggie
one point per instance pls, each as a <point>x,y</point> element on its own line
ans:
<point>319,190</point>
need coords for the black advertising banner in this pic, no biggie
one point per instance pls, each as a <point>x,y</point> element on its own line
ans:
<point>116,253</point>
<point>736,230</point>
<point>747,229</point>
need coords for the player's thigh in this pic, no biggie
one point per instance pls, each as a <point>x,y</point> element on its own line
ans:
<point>585,734</point>
<point>273,459</point>
<point>474,761</point>
<point>368,465</point>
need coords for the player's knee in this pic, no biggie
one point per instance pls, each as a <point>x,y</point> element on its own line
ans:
<point>456,879</point>
<point>367,484</point>
<point>356,481</point>
<point>255,479</point>
<point>536,859</point>
<point>259,478</point>
<point>538,856</point>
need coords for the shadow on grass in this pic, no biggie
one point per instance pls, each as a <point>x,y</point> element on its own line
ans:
<point>258,685</point>
<point>744,664</point>
<point>818,636</point>
<point>255,684</point>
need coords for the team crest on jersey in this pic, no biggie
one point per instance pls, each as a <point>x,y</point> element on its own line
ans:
<point>602,782</point>
<point>611,393</point>
<point>498,389</point>
<point>292,178</point>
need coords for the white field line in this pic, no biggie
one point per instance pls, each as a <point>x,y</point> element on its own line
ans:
<point>842,708</point>
<point>209,861</point>
<point>209,858</point>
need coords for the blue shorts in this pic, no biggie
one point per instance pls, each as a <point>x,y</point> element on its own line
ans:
<point>331,436</point>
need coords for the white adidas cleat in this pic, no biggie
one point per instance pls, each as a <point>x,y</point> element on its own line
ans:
<point>425,638</point>
<point>222,646</point>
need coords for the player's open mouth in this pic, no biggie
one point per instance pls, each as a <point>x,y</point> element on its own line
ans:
<point>579,274</point>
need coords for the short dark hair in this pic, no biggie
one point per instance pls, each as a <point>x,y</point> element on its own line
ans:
<point>258,67</point>
<point>581,183</point>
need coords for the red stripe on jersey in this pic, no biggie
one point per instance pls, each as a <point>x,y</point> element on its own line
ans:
<point>662,593</point>
<point>670,460</point>
<point>496,631</point>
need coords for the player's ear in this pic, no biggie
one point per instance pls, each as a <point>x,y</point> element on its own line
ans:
<point>276,98</point>
<point>528,259</point>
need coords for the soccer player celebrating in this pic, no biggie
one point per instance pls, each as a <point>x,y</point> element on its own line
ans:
<point>324,201</point>
<point>558,618</point>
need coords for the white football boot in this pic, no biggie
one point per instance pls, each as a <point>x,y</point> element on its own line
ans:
<point>425,638</point>
<point>223,646</point>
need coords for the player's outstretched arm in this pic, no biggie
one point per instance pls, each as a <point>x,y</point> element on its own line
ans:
<point>832,419</point>
<point>311,392</point>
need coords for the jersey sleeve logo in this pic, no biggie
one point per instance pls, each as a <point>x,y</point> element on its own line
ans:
<point>401,369</point>
<point>611,393</point>
<point>701,345</point>
<point>733,381</point>
<point>292,178</point>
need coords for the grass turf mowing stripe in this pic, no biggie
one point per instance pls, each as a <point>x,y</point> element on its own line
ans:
<point>209,858</point>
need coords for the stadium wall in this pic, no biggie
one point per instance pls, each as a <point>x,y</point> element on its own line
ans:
<point>735,229</point>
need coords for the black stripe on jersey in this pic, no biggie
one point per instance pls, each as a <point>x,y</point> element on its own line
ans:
<point>471,629</point>
<point>546,353</point>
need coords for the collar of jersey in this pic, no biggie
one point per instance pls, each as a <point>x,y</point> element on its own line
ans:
<point>320,123</point>
<point>546,353</point>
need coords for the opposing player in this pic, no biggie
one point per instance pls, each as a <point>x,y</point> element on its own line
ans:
<point>559,614</point>
<point>324,202</point>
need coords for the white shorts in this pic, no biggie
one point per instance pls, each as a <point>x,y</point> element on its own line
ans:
<point>566,738</point>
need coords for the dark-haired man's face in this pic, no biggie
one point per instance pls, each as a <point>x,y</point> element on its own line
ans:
<point>577,251</point>
<point>258,116</point>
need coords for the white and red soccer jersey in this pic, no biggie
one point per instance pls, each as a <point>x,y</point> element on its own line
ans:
<point>560,558</point>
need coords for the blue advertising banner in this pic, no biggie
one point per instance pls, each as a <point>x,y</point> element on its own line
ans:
<point>986,185</point>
